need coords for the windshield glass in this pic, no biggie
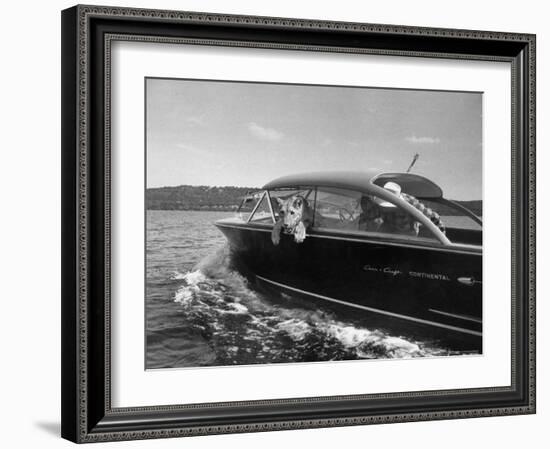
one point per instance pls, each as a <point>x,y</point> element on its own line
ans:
<point>280,195</point>
<point>248,204</point>
<point>456,218</point>
<point>460,227</point>
<point>262,212</point>
<point>344,210</point>
<point>347,210</point>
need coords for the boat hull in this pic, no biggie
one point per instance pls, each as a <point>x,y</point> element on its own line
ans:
<point>433,286</point>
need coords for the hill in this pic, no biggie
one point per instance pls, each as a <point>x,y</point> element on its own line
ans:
<point>221,198</point>
<point>187,197</point>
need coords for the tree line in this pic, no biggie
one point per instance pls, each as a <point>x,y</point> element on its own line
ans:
<point>225,198</point>
<point>187,197</point>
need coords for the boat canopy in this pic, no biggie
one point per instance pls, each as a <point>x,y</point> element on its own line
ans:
<point>365,181</point>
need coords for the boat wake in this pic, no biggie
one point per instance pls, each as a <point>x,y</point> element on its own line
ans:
<point>242,325</point>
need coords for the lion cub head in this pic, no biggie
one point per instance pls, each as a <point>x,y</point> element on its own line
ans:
<point>294,217</point>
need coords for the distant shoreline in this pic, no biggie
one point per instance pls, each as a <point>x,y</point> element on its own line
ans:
<point>197,198</point>
<point>221,199</point>
<point>213,209</point>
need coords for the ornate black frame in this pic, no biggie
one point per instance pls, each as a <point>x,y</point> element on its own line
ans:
<point>87,32</point>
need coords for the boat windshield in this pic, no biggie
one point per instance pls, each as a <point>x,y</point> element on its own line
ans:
<point>462,219</point>
<point>454,215</point>
<point>263,206</point>
<point>248,204</point>
<point>284,194</point>
<point>350,211</point>
<point>356,212</point>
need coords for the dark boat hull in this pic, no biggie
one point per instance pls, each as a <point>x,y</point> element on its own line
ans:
<point>428,286</point>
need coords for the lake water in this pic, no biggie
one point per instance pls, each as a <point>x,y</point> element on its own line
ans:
<point>200,311</point>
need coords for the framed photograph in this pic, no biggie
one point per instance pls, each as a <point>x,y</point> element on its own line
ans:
<point>283,223</point>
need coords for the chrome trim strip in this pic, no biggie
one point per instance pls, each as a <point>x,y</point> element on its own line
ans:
<point>255,207</point>
<point>453,315</point>
<point>446,248</point>
<point>270,207</point>
<point>474,251</point>
<point>371,309</point>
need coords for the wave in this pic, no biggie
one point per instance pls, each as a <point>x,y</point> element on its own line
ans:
<point>244,325</point>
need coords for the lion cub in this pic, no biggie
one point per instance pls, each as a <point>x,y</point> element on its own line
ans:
<point>295,216</point>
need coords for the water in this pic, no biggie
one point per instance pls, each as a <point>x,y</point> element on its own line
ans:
<point>201,312</point>
<point>460,221</point>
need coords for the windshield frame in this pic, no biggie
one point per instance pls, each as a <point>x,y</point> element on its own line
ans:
<point>438,235</point>
<point>440,239</point>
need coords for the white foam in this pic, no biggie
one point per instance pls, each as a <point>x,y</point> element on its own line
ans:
<point>215,290</point>
<point>183,295</point>
<point>401,344</point>
<point>297,329</point>
<point>191,287</point>
<point>194,277</point>
<point>238,308</point>
<point>348,335</point>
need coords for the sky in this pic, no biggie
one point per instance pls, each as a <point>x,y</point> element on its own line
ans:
<point>246,134</point>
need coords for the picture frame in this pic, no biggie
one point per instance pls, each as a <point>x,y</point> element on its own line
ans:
<point>87,411</point>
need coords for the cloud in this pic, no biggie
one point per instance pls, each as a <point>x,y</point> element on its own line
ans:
<point>190,148</point>
<point>186,146</point>
<point>264,133</point>
<point>427,140</point>
<point>195,120</point>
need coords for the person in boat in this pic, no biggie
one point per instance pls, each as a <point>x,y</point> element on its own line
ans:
<point>430,213</point>
<point>370,218</point>
<point>395,220</point>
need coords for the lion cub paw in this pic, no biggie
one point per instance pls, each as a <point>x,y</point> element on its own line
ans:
<point>300,233</point>
<point>276,232</point>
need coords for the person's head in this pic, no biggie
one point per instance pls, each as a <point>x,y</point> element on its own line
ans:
<point>389,211</point>
<point>369,207</point>
<point>395,218</point>
<point>399,220</point>
<point>394,189</point>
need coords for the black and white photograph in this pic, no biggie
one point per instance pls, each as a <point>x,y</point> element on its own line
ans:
<point>290,223</point>
<point>284,220</point>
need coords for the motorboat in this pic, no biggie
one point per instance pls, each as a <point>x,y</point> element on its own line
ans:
<point>428,274</point>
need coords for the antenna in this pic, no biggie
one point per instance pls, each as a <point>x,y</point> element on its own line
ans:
<point>415,158</point>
